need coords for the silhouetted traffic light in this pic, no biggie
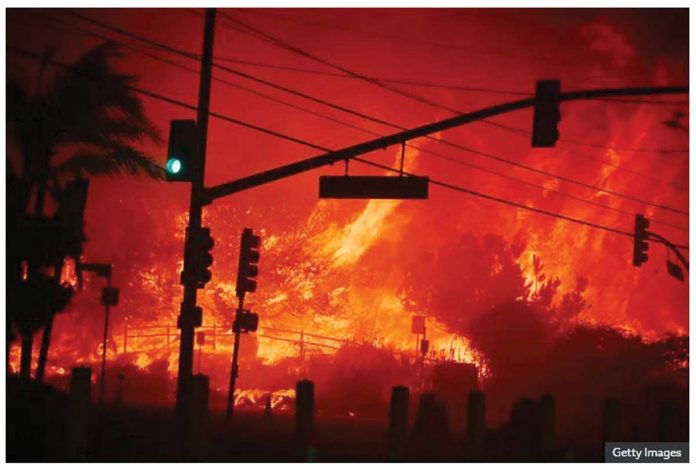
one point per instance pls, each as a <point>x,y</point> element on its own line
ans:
<point>202,243</point>
<point>182,156</point>
<point>245,322</point>
<point>547,113</point>
<point>197,318</point>
<point>640,243</point>
<point>248,258</point>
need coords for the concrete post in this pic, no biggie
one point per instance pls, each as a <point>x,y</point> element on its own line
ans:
<point>398,423</point>
<point>195,442</point>
<point>77,432</point>
<point>304,408</point>
<point>476,424</point>
<point>612,422</point>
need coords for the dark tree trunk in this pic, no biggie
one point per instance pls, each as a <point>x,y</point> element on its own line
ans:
<point>43,353</point>
<point>25,362</point>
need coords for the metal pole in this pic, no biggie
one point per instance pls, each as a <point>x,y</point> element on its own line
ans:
<point>102,384</point>
<point>187,313</point>
<point>199,358</point>
<point>235,355</point>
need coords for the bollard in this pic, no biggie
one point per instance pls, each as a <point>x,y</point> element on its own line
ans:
<point>304,420</point>
<point>196,419</point>
<point>612,422</point>
<point>77,431</point>
<point>547,419</point>
<point>398,423</point>
<point>426,416</point>
<point>304,408</point>
<point>476,424</point>
<point>665,419</point>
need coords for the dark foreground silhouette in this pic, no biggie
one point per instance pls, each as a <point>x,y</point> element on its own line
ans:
<point>46,425</point>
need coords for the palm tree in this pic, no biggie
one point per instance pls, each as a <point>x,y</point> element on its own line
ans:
<point>84,120</point>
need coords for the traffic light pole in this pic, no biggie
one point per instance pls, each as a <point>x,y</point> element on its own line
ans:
<point>235,359</point>
<point>347,153</point>
<point>187,317</point>
<point>670,245</point>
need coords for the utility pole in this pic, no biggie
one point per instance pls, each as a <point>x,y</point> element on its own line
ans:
<point>187,317</point>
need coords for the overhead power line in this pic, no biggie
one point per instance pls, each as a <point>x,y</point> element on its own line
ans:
<point>38,57</point>
<point>379,83</point>
<point>362,129</point>
<point>373,119</point>
<point>303,53</point>
<point>523,132</point>
<point>193,56</point>
<point>175,102</point>
<point>425,43</point>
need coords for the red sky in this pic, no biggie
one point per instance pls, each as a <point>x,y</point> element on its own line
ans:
<point>488,49</point>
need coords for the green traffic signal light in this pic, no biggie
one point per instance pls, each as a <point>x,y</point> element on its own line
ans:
<point>182,156</point>
<point>174,166</point>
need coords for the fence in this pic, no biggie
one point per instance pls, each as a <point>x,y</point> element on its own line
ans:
<point>216,332</point>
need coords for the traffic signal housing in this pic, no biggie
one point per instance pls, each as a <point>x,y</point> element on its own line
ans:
<point>640,240</point>
<point>201,258</point>
<point>245,322</point>
<point>547,113</point>
<point>249,256</point>
<point>183,162</point>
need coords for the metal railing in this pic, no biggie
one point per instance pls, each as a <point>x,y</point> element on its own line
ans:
<point>215,332</point>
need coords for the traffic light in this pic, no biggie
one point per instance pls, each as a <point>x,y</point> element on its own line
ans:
<point>245,322</point>
<point>547,113</point>
<point>248,258</point>
<point>196,318</point>
<point>183,163</point>
<point>640,243</point>
<point>201,243</point>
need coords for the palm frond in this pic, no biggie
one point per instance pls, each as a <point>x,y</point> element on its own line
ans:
<point>91,93</point>
<point>118,161</point>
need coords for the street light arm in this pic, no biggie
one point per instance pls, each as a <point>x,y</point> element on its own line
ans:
<point>671,246</point>
<point>331,157</point>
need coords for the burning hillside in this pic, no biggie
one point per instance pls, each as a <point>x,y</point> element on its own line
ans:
<point>516,293</point>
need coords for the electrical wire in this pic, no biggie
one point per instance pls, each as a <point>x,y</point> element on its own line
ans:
<point>523,132</point>
<point>284,45</point>
<point>364,130</point>
<point>303,53</point>
<point>37,56</point>
<point>193,56</point>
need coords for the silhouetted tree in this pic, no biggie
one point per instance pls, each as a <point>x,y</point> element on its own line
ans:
<point>83,121</point>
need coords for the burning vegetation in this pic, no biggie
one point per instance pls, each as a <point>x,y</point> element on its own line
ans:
<point>517,303</point>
